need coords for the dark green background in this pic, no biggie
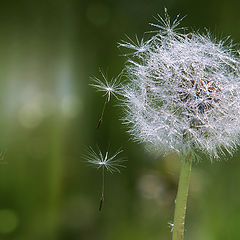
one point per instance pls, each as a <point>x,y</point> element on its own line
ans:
<point>48,51</point>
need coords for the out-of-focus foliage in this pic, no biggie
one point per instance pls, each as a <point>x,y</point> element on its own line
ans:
<point>48,51</point>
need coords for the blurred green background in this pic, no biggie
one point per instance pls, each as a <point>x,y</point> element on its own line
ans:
<point>48,51</point>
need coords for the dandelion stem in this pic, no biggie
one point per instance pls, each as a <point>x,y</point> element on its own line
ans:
<point>181,200</point>
<point>103,109</point>
<point>102,196</point>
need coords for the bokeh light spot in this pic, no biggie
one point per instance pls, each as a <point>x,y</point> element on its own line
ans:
<point>30,115</point>
<point>8,221</point>
<point>70,106</point>
<point>150,187</point>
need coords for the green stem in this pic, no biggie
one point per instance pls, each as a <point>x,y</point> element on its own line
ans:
<point>181,200</point>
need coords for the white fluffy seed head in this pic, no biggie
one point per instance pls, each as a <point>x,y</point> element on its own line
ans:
<point>183,92</point>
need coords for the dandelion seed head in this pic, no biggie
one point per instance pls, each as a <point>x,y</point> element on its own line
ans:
<point>183,91</point>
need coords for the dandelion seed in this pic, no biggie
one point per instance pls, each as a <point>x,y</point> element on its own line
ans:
<point>171,226</point>
<point>138,46</point>
<point>111,163</point>
<point>166,26</point>
<point>109,88</point>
